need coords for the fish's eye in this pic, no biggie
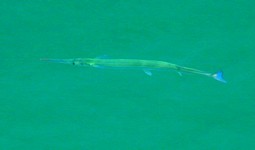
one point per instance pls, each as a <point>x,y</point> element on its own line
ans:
<point>77,63</point>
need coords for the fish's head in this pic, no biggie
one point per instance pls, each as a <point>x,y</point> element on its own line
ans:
<point>81,62</point>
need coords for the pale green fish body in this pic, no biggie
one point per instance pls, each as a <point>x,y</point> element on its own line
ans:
<point>146,65</point>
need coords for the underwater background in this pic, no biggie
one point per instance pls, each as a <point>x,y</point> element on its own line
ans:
<point>57,106</point>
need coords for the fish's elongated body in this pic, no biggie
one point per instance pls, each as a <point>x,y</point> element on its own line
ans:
<point>134,63</point>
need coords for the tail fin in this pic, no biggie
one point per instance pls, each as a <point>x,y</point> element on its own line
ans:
<point>219,76</point>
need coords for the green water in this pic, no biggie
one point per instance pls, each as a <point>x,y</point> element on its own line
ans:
<point>57,106</point>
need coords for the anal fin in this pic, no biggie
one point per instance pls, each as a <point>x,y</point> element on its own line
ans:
<point>148,72</point>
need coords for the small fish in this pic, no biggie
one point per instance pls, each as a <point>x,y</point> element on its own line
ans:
<point>145,65</point>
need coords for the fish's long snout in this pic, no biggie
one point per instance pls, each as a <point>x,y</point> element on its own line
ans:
<point>62,61</point>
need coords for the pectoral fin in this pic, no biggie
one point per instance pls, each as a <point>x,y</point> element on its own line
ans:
<point>148,72</point>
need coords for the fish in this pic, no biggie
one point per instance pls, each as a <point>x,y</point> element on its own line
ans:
<point>146,65</point>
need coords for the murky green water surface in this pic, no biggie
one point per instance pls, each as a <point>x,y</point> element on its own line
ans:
<point>57,106</point>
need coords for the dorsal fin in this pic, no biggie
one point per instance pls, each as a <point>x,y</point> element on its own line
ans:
<point>102,57</point>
